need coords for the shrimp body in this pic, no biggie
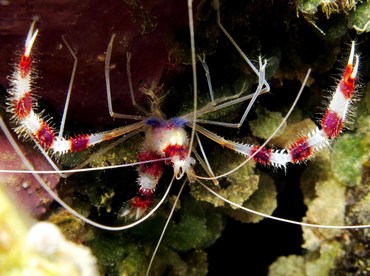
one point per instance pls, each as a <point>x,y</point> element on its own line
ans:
<point>163,139</point>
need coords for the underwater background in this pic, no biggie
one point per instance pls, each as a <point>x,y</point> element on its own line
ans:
<point>205,236</point>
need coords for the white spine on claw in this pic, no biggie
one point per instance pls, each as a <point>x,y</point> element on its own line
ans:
<point>30,124</point>
<point>20,85</point>
<point>317,139</point>
<point>280,158</point>
<point>61,145</point>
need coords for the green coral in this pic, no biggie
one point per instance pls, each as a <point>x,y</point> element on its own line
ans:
<point>119,253</point>
<point>243,187</point>
<point>198,219</point>
<point>360,18</point>
<point>195,227</point>
<point>357,253</point>
<point>326,206</point>
<point>334,213</point>
<point>291,265</point>
<point>195,263</point>
<point>328,7</point>
<point>266,122</point>
<point>263,201</point>
<point>339,16</point>
<point>237,187</point>
<point>348,156</point>
<point>319,265</point>
<point>72,228</point>
<point>329,254</point>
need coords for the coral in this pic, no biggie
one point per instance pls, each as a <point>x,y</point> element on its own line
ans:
<point>348,157</point>
<point>341,14</point>
<point>355,245</point>
<point>360,18</point>
<point>195,263</point>
<point>329,254</point>
<point>328,7</point>
<point>237,187</point>
<point>197,218</point>
<point>326,205</point>
<point>71,227</point>
<point>298,265</point>
<point>320,12</point>
<point>263,201</point>
<point>110,250</point>
<point>266,123</point>
<point>39,249</point>
<point>333,215</point>
<point>196,227</point>
<point>287,266</point>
